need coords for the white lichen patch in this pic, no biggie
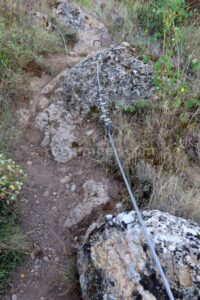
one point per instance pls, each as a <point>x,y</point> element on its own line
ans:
<point>115,259</point>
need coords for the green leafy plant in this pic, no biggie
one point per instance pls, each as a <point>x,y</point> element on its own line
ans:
<point>85,3</point>
<point>171,81</point>
<point>157,135</point>
<point>11,180</point>
<point>138,106</point>
<point>12,245</point>
<point>156,16</point>
<point>195,65</point>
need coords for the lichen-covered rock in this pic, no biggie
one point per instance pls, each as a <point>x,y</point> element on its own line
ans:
<point>115,263</point>
<point>92,34</point>
<point>95,195</point>
<point>70,14</point>
<point>58,127</point>
<point>124,78</point>
<point>77,18</point>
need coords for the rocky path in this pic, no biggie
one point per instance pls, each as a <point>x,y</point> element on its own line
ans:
<point>50,196</point>
<point>63,192</point>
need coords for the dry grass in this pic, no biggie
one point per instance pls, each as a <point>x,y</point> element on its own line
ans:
<point>25,42</point>
<point>158,144</point>
<point>152,144</point>
<point>115,16</point>
<point>70,278</point>
<point>24,45</point>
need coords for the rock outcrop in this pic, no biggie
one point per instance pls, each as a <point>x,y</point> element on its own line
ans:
<point>92,34</point>
<point>114,261</point>
<point>58,127</point>
<point>95,195</point>
<point>124,78</point>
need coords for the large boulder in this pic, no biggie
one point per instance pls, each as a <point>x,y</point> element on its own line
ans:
<point>114,261</point>
<point>92,34</point>
<point>124,78</point>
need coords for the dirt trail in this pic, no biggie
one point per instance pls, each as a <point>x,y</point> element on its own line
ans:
<point>48,273</point>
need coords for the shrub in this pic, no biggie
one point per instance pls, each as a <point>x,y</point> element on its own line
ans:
<point>11,176</point>
<point>155,133</point>
<point>85,3</point>
<point>12,245</point>
<point>8,129</point>
<point>24,43</point>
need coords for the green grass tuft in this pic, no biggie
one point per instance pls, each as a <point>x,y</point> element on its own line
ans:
<point>12,249</point>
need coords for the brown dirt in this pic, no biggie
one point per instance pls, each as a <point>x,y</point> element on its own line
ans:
<point>49,271</point>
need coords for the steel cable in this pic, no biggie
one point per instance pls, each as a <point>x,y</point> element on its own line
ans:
<point>107,122</point>
<point>62,36</point>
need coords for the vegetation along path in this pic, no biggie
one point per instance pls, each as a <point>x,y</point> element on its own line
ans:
<point>51,192</point>
<point>49,125</point>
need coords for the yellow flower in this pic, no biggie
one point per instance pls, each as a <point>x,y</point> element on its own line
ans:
<point>12,187</point>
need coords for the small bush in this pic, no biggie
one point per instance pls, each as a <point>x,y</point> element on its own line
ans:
<point>23,43</point>
<point>8,129</point>
<point>12,245</point>
<point>85,3</point>
<point>10,181</point>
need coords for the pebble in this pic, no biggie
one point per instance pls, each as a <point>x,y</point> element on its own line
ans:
<point>37,261</point>
<point>119,206</point>
<point>89,132</point>
<point>73,188</point>
<point>79,172</point>
<point>46,194</point>
<point>54,193</point>
<point>46,259</point>
<point>56,259</point>
<point>36,268</point>
<point>14,297</point>
<point>29,163</point>
<point>65,179</point>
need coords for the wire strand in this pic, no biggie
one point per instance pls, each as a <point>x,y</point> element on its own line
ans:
<point>62,36</point>
<point>132,197</point>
